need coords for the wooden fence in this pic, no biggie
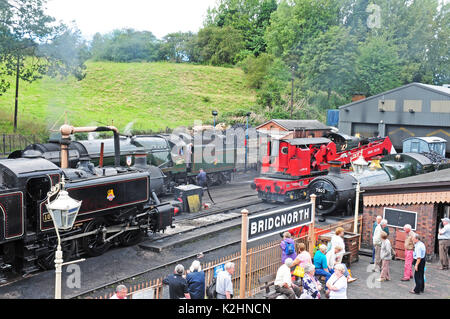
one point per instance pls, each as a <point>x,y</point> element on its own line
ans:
<point>261,261</point>
<point>14,142</point>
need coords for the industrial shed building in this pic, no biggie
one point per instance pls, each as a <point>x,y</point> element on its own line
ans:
<point>412,110</point>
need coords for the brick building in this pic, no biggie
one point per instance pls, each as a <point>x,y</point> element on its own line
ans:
<point>421,201</point>
<point>290,129</point>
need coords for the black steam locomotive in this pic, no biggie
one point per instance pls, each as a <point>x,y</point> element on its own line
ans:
<point>336,191</point>
<point>163,155</point>
<point>119,206</point>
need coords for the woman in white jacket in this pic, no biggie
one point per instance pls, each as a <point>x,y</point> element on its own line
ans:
<point>337,240</point>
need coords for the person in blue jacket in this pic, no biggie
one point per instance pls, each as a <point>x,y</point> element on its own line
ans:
<point>201,178</point>
<point>320,262</point>
<point>196,281</point>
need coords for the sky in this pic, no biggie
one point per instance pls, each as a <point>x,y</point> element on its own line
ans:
<point>158,16</point>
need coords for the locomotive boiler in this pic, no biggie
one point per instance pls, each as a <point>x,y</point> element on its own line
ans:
<point>119,205</point>
<point>336,191</point>
<point>177,161</point>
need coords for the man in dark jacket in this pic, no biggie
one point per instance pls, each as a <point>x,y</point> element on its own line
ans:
<point>196,281</point>
<point>178,288</point>
<point>201,178</point>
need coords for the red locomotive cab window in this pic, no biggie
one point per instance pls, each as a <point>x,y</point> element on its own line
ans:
<point>285,150</point>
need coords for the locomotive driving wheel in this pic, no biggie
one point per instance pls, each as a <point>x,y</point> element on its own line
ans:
<point>47,262</point>
<point>94,245</point>
<point>131,238</point>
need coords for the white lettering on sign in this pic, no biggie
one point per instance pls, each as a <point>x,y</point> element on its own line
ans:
<point>281,220</point>
<point>253,229</point>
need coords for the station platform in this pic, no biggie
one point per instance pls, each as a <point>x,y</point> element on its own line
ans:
<point>437,284</point>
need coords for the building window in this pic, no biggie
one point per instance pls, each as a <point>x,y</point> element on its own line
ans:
<point>413,106</point>
<point>386,105</point>
<point>440,106</point>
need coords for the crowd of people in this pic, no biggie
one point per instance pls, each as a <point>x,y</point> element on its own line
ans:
<point>300,273</point>
<point>415,253</point>
<point>190,284</point>
<point>326,263</point>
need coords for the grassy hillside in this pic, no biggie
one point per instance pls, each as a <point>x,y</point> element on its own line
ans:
<point>152,95</point>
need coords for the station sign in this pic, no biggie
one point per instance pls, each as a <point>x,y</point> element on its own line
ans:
<point>279,221</point>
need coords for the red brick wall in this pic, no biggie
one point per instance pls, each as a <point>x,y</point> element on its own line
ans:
<point>426,223</point>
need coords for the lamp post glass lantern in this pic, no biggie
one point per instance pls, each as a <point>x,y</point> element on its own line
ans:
<point>64,211</point>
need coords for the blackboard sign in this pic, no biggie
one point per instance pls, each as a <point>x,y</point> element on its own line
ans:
<point>278,221</point>
<point>399,218</point>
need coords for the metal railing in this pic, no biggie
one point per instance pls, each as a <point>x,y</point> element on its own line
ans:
<point>10,143</point>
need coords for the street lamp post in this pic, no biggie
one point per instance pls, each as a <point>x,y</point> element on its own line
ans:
<point>215,113</point>
<point>64,211</point>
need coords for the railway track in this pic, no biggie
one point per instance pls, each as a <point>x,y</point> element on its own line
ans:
<point>106,287</point>
<point>185,224</point>
<point>224,216</point>
<point>146,274</point>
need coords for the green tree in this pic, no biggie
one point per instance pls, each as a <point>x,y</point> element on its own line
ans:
<point>274,85</point>
<point>125,45</point>
<point>256,69</point>
<point>250,17</point>
<point>220,46</point>
<point>410,25</point>
<point>179,47</point>
<point>354,15</point>
<point>27,34</point>
<point>377,67</point>
<point>438,61</point>
<point>297,22</point>
<point>328,62</point>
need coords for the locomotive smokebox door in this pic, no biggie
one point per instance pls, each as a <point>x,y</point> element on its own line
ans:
<point>191,197</point>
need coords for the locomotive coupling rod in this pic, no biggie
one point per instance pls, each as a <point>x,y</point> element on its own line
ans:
<point>74,262</point>
<point>114,236</point>
<point>95,232</point>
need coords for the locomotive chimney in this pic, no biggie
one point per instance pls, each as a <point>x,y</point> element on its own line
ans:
<point>140,160</point>
<point>335,167</point>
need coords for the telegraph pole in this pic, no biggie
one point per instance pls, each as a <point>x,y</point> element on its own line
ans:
<point>292,94</point>
<point>16,105</point>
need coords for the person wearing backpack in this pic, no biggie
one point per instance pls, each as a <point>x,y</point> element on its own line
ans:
<point>287,248</point>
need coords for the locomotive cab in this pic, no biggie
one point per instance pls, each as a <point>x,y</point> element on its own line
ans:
<point>24,186</point>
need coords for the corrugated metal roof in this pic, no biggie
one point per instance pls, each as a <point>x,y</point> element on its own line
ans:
<point>406,199</point>
<point>434,88</point>
<point>441,89</point>
<point>434,177</point>
<point>292,125</point>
